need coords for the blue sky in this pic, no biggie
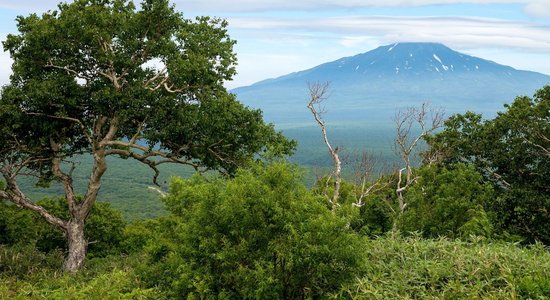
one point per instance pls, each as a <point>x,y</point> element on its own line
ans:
<point>276,37</point>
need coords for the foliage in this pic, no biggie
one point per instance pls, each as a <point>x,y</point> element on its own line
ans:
<point>138,234</point>
<point>377,216</point>
<point>104,228</point>
<point>258,235</point>
<point>416,268</point>
<point>447,202</point>
<point>22,260</point>
<point>12,221</point>
<point>512,151</point>
<point>534,287</point>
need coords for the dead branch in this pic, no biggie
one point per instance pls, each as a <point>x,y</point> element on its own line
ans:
<point>424,119</point>
<point>317,94</point>
<point>366,168</point>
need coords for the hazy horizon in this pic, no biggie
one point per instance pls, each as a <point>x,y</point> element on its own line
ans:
<point>275,38</point>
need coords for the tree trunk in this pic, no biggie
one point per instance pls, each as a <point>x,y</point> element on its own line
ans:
<point>77,246</point>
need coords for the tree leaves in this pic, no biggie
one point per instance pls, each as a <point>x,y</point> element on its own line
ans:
<point>512,151</point>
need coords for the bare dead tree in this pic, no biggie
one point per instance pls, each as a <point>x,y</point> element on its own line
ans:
<point>423,119</point>
<point>318,94</point>
<point>367,171</point>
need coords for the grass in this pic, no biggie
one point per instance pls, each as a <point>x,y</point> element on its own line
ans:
<point>29,274</point>
<point>415,268</point>
<point>395,267</point>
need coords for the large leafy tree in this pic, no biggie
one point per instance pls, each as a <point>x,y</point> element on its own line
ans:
<point>107,78</point>
<point>511,150</point>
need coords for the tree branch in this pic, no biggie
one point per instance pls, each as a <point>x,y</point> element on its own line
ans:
<point>65,179</point>
<point>14,194</point>
<point>146,157</point>
<point>404,122</point>
<point>77,121</point>
<point>77,74</point>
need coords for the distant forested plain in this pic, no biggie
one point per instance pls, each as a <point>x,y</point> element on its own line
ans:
<point>129,188</point>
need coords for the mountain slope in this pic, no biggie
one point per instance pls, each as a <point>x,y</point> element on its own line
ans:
<point>374,84</point>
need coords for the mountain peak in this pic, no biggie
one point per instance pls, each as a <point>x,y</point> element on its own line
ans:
<point>416,60</point>
<point>395,75</point>
<point>414,46</point>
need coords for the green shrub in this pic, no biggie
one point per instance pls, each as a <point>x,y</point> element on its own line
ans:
<point>377,215</point>
<point>522,212</point>
<point>138,234</point>
<point>261,234</point>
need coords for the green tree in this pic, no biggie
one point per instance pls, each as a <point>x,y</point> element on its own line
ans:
<point>106,78</point>
<point>260,235</point>
<point>513,152</point>
<point>448,202</point>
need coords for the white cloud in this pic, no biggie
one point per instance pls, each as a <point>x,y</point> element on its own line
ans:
<point>5,63</point>
<point>265,5</point>
<point>458,32</point>
<point>354,41</point>
<point>539,8</point>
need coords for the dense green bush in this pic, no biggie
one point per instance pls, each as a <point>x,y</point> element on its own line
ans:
<point>520,210</point>
<point>376,214</point>
<point>259,235</point>
<point>447,202</point>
